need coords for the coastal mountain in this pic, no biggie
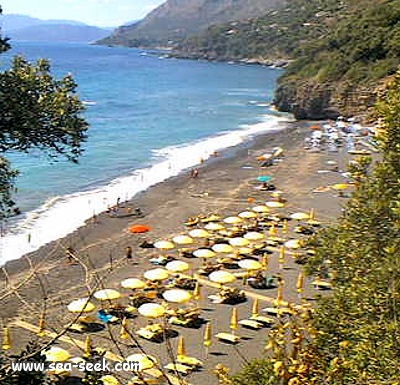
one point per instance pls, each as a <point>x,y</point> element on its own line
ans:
<point>175,20</point>
<point>339,52</point>
<point>21,27</point>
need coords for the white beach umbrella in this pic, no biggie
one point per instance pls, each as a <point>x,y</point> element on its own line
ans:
<point>199,233</point>
<point>239,242</point>
<point>254,236</point>
<point>221,276</point>
<point>222,248</point>
<point>81,305</point>
<point>133,283</point>
<point>164,245</point>
<point>151,310</point>
<point>158,274</point>
<point>177,266</point>
<point>204,253</point>
<point>107,294</point>
<point>182,240</point>
<point>177,295</point>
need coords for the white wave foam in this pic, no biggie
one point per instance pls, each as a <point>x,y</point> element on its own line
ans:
<point>62,215</point>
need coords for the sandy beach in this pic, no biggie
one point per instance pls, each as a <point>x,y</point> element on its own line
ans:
<point>224,185</point>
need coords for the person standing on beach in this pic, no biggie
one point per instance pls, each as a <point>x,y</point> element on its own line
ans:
<point>128,253</point>
<point>70,254</point>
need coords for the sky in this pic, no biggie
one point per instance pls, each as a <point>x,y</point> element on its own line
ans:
<point>102,13</point>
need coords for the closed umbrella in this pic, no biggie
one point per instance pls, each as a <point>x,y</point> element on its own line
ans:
<point>300,283</point>
<point>81,305</point>
<point>221,277</point>
<point>196,291</point>
<point>124,334</point>
<point>207,339</point>
<point>6,344</point>
<point>255,310</point>
<point>158,274</point>
<point>181,350</point>
<point>234,325</point>
<point>107,294</point>
<point>151,310</point>
<point>133,283</point>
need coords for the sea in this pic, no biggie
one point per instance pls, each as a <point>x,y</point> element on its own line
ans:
<point>151,118</point>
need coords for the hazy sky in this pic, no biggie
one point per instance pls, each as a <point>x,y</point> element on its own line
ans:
<point>105,13</point>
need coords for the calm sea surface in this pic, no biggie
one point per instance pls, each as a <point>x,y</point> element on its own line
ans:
<point>150,118</point>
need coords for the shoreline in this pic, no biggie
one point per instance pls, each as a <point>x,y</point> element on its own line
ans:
<point>224,185</point>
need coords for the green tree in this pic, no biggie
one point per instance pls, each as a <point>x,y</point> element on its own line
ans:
<point>37,112</point>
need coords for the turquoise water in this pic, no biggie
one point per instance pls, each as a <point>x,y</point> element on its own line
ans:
<point>150,118</point>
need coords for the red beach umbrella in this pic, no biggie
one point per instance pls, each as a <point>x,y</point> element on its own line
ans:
<point>139,229</point>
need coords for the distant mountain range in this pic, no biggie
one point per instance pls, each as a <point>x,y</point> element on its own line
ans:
<point>21,27</point>
<point>175,20</point>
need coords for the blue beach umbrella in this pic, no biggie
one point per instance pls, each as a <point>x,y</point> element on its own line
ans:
<point>264,178</point>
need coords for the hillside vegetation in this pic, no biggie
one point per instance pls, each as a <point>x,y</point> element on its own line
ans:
<point>339,52</point>
<point>175,20</point>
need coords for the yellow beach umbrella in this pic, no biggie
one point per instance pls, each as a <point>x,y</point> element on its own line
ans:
<point>274,204</point>
<point>6,345</point>
<point>182,240</point>
<point>211,218</point>
<point>82,305</point>
<point>234,325</point>
<point>249,264</point>
<point>124,335</point>
<point>260,209</point>
<point>254,236</point>
<point>108,379</point>
<point>144,361</point>
<point>207,341</point>
<point>107,294</point>
<point>285,227</point>
<point>56,354</point>
<point>233,220</point>
<point>239,242</point>
<point>247,215</point>
<point>312,214</point>
<point>133,283</point>
<point>214,226</point>
<point>282,255</point>
<point>177,295</point>
<point>157,274</point>
<point>264,261</point>
<point>255,310</point>
<point>293,244</point>
<point>300,216</point>
<point>204,253</point>
<point>222,248</point>
<point>199,233</point>
<point>151,310</point>
<point>221,277</point>
<point>196,291</point>
<point>164,245</point>
<point>42,323</point>
<point>177,266</point>
<point>341,186</point>
<point>181,350</point>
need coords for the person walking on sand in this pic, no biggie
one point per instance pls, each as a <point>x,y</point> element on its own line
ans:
<point>70,254</point>
<point>128,253</point>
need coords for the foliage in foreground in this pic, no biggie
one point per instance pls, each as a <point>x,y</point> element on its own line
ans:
<point>354,335</point>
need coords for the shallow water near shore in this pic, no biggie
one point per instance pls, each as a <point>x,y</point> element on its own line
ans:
<point>150,119</point>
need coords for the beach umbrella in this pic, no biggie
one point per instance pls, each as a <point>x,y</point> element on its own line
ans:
<point>214,226</point>
<point>247,215</point>
<point>108,379</point>
<point>204,253</point>
<point>139,229</point>
<point>273,231</point>
<point>249,264</point>
<point>281,259</point>
<point>221,277</point>
<point>260,209</point>
<point>177,266</point>
<point>124,335</point>
<point>254,310</point>
<point>254,236</point>
<point>181,350</point>
<point>196,291</point>
<point>245,250</point>
<point>312,214</point>
<point>42,322</point>
<point>239,242</point>
<point>211,218</point>
<point>133,283</point>
<point>88,346</point>
<point>285,227</point>
<point>300,216</point>
<point>264,261</point>
<point>207,339</point>
<point>151,310</point>
<point>107,294</point>
<point>340,186</point>
<point>234,325</point>
<point>6,344</point>
<point>264,178</point>
<point>144,361</point>
<point>199,233</point>
<point>233,220</point>
<point>81,305</point>
<point>293,244</point>
<point>279,296</point>
<point>274,204</point>
<point>157,274</point>
<point>222,248</point>
<point>182,240</point>
<point>56,354</point>
<point>177,295</point>
<point>164,245</point>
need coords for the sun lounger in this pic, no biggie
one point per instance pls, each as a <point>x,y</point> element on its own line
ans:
<point>189,361</point>
<point>228,337</point>
<point>277,311</point>
<point>251,324</point>
<point>151,332</point>
<point>180,368</point>
<point>262,319</point>
<point>322,285</point>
